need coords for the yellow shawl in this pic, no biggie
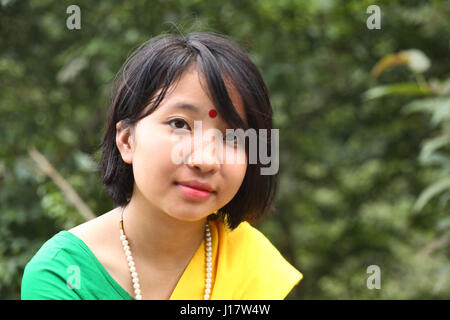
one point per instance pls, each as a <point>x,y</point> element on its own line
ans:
<point>246,266</point>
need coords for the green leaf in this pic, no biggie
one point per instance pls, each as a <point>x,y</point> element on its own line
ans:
<point>431,145</point>
<point>72,69</point>
<point>404,89</point>
<point>438,107</point>
<point>430,192</point>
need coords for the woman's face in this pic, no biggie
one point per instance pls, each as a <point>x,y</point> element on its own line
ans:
<point>157,176</point>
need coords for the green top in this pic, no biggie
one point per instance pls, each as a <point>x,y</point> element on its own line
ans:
<point>58,270</point>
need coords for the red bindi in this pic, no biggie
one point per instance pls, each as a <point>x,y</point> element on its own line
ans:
<point>212,113</point>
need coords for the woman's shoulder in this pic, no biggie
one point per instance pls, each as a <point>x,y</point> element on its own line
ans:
<point>62,245</point>
<point>93,230</point>
<point>60,260</point>
<point>49,267</point>
<point>61,249</point>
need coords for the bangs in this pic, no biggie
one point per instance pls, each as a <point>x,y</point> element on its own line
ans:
<point>210,68</point>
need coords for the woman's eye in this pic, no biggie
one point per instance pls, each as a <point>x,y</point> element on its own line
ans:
<point>179,123</point>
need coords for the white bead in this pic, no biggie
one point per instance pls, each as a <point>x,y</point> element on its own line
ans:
<point>137,291</point>
<point>209,269</point>
<point>208,254</point>
<point>208,285</point>
<point>208,249</point>
<point>134,274</point>
<point>128,253</point>
<point>126,248</point>
<point>123,237</point>
<point>133,269</point>
<point>135,280</point>
<point>125,242</point>
<point>138,297</point>
<point>131,264</point>
<point>209,259</point>
<point>209,264</point>
<point>136,286</point>
<point>207,291</point>
<point>130,258</point>
<point>206,296</point>
<point>208,280</point>
<point>209,275</point>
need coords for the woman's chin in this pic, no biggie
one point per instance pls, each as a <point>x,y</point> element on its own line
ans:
<point>188,216</point>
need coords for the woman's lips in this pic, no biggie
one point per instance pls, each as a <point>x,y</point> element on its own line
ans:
<point>193,193</point>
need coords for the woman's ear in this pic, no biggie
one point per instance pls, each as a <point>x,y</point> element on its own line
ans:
<point>125,141</point>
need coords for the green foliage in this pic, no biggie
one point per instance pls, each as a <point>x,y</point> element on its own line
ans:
<point>352,166</point>
<point>437,106</point>
<point>434,151</point>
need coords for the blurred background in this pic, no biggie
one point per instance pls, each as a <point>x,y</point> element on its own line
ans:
<point>363,108</point>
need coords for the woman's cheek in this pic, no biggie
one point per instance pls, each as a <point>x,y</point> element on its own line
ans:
<point>234,175</point>
<point>156,141</point>
<point>148,155</point>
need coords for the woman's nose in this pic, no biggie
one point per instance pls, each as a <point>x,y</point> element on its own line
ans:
<point>204,155</point>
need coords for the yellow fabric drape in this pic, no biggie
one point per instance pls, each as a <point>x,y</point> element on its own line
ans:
<point>246,266</point>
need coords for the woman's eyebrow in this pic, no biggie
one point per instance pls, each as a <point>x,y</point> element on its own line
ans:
<point>185,106</point>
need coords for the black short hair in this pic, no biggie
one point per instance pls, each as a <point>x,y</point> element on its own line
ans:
<point>156,65</point>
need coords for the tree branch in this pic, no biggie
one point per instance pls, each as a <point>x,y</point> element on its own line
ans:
<point>70,194</point>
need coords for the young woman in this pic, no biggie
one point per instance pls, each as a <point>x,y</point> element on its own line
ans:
<point>181,230</point>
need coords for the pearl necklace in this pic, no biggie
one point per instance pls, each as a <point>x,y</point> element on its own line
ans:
<point>132,266</point>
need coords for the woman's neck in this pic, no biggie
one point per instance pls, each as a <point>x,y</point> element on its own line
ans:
<point>159,240</point>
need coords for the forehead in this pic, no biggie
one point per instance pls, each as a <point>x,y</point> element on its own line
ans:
<point>191,93</point>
